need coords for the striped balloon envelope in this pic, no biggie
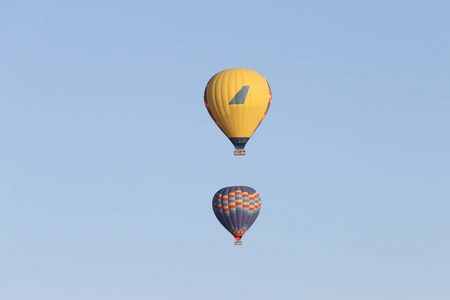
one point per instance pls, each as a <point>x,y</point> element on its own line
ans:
<point>238,100</point>
<point>236,208</point>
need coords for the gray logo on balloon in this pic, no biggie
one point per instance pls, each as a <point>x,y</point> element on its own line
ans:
<point>240,96</point>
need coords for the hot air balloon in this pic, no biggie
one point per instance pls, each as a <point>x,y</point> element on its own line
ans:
<point>238,100</point>
<point>236,208</point>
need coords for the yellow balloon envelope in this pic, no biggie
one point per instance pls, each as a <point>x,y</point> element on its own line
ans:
<point>237,100</point>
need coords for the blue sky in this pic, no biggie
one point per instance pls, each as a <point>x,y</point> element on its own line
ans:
<point>109,159</point>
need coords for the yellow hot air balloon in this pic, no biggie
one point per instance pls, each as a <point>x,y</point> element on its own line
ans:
<point>237,100</point>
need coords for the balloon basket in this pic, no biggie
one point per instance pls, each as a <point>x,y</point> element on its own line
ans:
<point>238,243</point>
<point>242,152</point>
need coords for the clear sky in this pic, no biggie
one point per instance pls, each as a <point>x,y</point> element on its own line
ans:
<point>109,159</point>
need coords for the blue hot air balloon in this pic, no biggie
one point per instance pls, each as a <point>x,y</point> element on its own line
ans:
<point>236,208</point>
